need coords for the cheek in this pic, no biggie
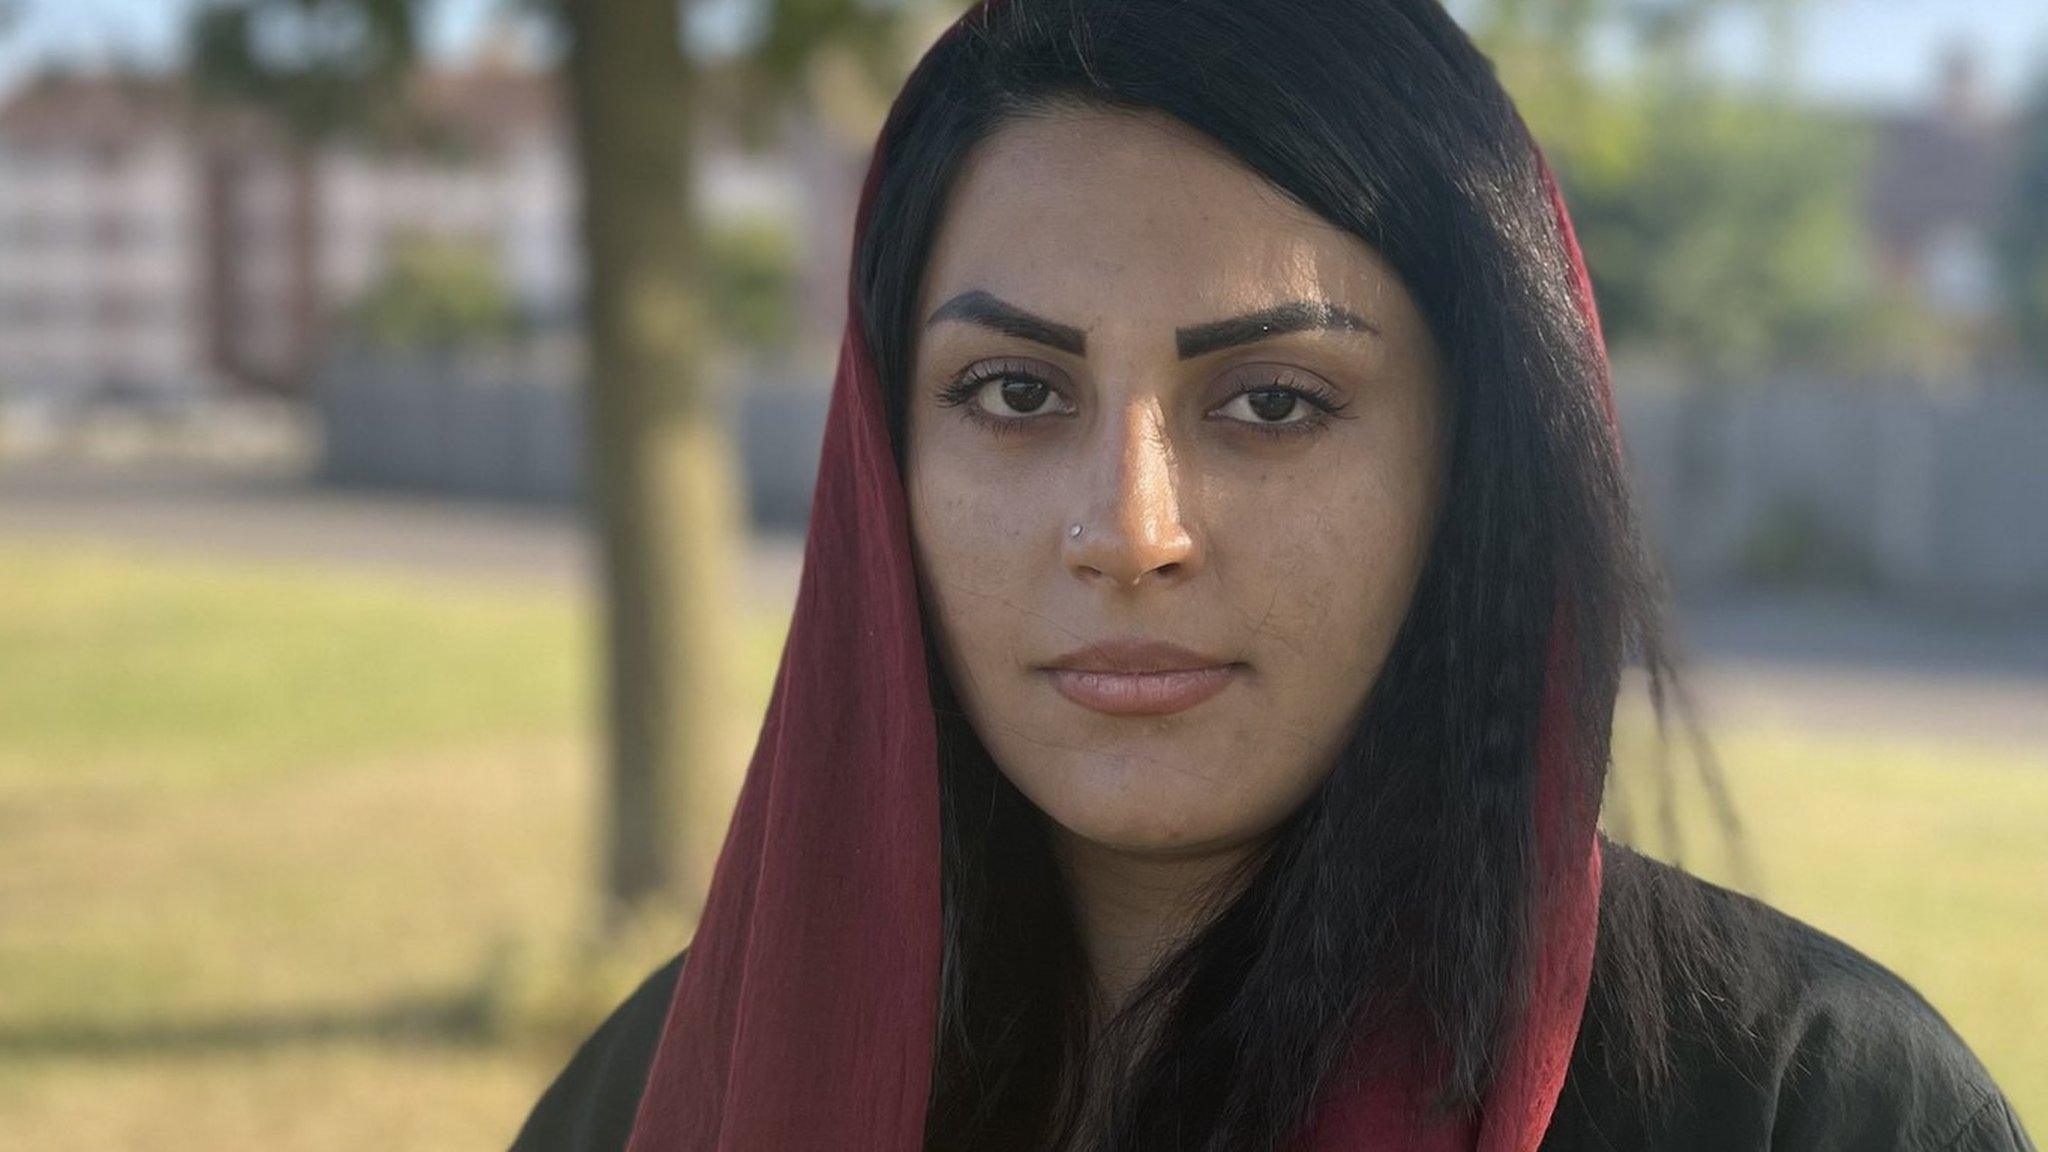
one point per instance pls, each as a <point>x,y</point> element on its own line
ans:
<point>969,538</point>
<point>1326,575</point>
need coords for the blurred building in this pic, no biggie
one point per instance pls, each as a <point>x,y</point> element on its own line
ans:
<point>1938,187</point>
<point>102,265</point>
<point>151,244</point>
<point>294,241</point>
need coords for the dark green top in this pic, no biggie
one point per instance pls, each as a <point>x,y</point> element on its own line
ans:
<point>1793,1043</point>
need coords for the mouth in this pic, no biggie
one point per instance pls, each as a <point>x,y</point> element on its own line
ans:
<point>1142,693</point>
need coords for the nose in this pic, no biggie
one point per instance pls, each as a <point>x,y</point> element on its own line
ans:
<point>1133,520</point>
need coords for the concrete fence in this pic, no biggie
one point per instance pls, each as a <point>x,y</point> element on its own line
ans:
<point>1934,498</point>
<point>512,429</point>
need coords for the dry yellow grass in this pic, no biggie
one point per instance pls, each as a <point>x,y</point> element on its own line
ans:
<point>1933,860</point>
<point>294,860</point>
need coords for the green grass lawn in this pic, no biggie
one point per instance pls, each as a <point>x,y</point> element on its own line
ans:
<point>1933,861</point>
<point>281,849</point>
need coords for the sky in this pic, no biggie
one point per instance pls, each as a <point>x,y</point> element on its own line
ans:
<point>1889,50</point>
<point>1857,51</point>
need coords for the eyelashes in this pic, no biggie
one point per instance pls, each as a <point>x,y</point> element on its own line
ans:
<point>1264,385</point>
<point>964,392</point>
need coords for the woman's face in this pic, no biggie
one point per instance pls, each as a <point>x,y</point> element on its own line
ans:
<point>1125,329</point>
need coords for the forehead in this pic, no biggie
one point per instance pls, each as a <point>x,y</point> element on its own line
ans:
<point>1097,212</point>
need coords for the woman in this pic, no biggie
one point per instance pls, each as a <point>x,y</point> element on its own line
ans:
<point>1192,728</point>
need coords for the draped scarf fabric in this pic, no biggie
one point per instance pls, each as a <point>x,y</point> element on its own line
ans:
<point>805,1018</point>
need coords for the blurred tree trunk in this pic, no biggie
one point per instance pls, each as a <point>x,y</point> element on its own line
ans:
<point>661,476</point>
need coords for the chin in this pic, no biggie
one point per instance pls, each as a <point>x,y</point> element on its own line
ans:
<point>1144,811</point>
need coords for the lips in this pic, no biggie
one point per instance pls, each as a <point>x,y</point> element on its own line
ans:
<point>1142,693</point>
<point>1140,677</point>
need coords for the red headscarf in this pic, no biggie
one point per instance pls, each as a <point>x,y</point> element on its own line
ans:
<point>805,1018</point>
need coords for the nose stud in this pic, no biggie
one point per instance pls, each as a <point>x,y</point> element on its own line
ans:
<point>1074,531</point>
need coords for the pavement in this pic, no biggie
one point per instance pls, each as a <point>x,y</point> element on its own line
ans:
<point>1862,668</point>
<point>1824,664</point>
<point>274,510</point>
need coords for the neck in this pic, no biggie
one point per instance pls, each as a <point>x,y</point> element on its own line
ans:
<point>1134,909</point>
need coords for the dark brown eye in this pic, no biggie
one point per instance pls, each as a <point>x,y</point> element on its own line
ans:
<point>1263,406</point>
<point>1272,405</point>
<point>1275,400</point>
<point>1004,396</point>
<point>1023,395</point>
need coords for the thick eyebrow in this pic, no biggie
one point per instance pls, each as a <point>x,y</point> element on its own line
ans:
<point>978,307</point>
<point>983,308</point>
<point>1279,320</point>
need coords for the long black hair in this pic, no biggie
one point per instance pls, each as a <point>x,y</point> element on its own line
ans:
<point>1409,878</point>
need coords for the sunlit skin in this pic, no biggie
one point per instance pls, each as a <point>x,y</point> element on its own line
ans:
<point>1070,369</point>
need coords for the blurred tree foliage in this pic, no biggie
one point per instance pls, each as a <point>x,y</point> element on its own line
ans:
<point>1723,229</point>
<point>2024,244</point>
<point>325,68</point>
<point>796,34</point>
<point>769,57</point>
<point>1722,223</point>
<point>437,293</point>
<point>321,70</point>
<point>750,277</point>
